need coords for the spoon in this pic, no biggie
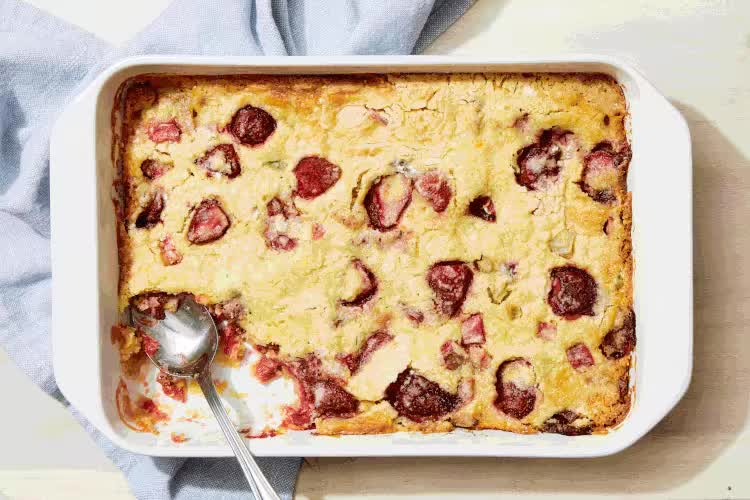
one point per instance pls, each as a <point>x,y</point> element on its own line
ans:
<point>188,341</point>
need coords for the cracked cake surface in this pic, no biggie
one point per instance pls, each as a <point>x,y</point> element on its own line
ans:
<point>414,251</point>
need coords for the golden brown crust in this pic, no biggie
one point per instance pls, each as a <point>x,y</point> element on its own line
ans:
<point>470,127</point>
<point>377,419</point>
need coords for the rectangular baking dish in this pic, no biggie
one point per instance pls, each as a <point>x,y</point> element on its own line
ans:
<point>85,267</point>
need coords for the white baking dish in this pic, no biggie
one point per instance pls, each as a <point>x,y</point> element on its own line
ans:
<point>84,261</point>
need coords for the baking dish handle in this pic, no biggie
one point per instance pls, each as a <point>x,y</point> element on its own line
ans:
<point>662,143</point>
<point>75,326</point>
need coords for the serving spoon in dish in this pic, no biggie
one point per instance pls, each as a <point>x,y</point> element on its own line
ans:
<point>188,341</point>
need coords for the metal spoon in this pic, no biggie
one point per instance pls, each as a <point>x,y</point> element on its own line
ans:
<point>187,345</point>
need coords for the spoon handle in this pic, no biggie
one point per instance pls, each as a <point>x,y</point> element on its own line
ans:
<point>258,482</point>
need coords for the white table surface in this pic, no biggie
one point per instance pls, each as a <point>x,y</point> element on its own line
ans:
<point>697,52</point>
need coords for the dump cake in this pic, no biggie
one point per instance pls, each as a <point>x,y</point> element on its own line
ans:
<point>414,252</point>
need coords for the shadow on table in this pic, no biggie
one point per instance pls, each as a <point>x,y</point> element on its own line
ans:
<point>693,435</point>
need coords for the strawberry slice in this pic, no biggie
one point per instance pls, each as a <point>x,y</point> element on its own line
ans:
<point>433,186</point>
<point>209,223</point>
<point>450,281</point>
<point>472,330</point>
<point>579,356</point>
<point>167,131</point>
<point>484,208</point>
<point>387,200</point>
<point>315,176</point>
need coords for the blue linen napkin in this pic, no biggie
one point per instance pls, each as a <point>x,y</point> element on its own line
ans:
<point>45,62</point>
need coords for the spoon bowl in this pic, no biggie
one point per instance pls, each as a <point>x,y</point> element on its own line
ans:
<point>187,338</point>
